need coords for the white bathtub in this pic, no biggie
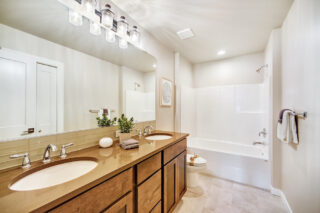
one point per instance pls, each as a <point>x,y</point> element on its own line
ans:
<point>241,163</point>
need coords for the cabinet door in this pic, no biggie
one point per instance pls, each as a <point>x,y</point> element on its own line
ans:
<point>149,193</point>
<point>169,184</point>
<point>124,205</point>
<point>181,174</point>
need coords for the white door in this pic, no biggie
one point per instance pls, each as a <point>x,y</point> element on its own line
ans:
<point>46,118</point>
<point>17,94</point>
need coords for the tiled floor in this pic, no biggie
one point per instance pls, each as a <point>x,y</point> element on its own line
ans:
<point>222,196</point>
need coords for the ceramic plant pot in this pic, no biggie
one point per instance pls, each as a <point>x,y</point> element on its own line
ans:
<point>124,136</point>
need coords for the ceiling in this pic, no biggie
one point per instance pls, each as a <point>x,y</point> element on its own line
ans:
<point>48,19</point>
<point>237,26</point>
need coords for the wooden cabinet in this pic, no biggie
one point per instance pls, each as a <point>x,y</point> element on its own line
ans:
<point>101,196</point>
<point>157,208</point>
<point>148,167</point>
<point>181,174</point>
<point>154,185</point>
<point>174,181</point>
<point>149,193</point>
<point>124,205</point>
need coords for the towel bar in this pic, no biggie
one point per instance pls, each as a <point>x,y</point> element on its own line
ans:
<point>302,115</point>
<point>96,110</point>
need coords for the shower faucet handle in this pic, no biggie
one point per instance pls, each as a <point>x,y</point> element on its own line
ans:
<point>263,132</point>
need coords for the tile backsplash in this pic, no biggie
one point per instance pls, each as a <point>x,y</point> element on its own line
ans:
<point>35,146</point>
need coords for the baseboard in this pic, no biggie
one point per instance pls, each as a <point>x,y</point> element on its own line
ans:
<point>283,197</point>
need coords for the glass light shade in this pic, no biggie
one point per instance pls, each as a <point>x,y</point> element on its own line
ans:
<point>89,5</point>
<point>95,28</point>
<point>135,35</point>
<point>123,44</point>
<point>75,18</point>
<point>110,36</point>
<point>107,16</point>
<point>122,27</point>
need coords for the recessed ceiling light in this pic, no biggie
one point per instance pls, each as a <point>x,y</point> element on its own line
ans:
<point>186,33</point>
<point>221,52</point>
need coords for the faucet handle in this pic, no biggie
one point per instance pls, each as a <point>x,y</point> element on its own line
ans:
<point>139,132</point>
<point>26,160</point>
<point>63,153</point>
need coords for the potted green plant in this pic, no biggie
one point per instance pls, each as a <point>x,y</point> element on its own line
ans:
<point>125,126</point>
<point>104,121</point>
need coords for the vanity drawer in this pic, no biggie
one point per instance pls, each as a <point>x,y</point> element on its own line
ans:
<point>101,196</point>
<point>148,167</point>
<point>149,193</point>
<point>174,150</point>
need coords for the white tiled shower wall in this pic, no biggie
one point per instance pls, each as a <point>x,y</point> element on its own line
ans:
<point>229,112</point>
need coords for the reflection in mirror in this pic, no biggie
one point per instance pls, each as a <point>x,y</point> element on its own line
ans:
<point>57,77</point>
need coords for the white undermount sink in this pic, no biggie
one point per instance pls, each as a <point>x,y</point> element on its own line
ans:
<point>158,137</point>
<point>53,174</point>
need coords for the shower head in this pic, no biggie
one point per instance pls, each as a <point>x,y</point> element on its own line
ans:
<point>261,68</point>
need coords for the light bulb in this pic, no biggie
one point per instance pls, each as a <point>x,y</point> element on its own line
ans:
<point>95,28</point>
<point>75,18</point>
<point>89,5</point>
<point>107,16</point>
<point>123,44</point>
<point>135,35</point>
<point>122,27</point>
<point>110,36</point>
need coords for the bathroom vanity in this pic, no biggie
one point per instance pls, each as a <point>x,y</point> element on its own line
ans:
<point>151,178</point>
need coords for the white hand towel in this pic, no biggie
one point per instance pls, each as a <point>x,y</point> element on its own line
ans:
<point>283,131</point>
<point>293,128</point>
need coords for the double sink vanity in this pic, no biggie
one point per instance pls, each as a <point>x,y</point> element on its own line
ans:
<point>151,178</point>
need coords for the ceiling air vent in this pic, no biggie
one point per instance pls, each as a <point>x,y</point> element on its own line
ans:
<point>184,34</point>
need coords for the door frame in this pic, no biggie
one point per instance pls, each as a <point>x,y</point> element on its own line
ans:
<point>60,83</point>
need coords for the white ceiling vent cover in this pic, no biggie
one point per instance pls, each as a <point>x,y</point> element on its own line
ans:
<point>184,34</point>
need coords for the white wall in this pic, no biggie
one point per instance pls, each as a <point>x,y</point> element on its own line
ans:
<point>184,103</point>
<point>300,77</point>
<point>237,70</point>
<point>232,113</point>
<point>89,82</point>
<point>273,59</point>
<point>138,102</point>
<point>228,100</point>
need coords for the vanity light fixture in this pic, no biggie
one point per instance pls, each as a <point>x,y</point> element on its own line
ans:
<point>123,44</point>
<point>221,52</point>
<point>122,27</point>
<point>135,35</point>
<point>89,5</point>
<point>110,36</point>
<point>103,19</point>
<point>107,16</point>
<point>75,18</point>
<point>95,28</point>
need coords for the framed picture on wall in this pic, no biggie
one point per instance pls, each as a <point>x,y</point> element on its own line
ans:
<point>166,92</point>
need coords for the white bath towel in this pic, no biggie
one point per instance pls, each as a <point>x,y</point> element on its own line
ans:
<point>287,129</point>
<point>282,128</point>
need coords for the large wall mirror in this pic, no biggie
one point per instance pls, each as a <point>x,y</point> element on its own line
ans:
<point>56,77</point>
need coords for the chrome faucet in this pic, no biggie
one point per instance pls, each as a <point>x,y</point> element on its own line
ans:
<point>149,128</point>
<point>46,155</point>
<point>263,132</point>
<point>26,160</point>
<point>63,153</point>
<point>139,132</point>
